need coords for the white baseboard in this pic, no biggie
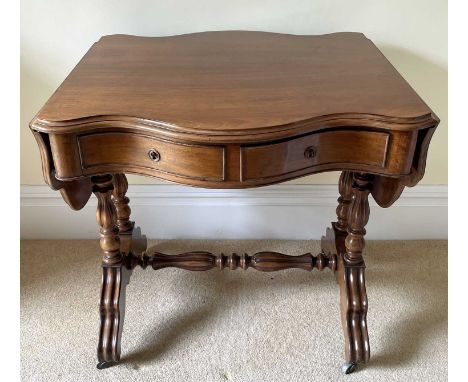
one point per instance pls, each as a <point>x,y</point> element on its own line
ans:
<point>280,212</point>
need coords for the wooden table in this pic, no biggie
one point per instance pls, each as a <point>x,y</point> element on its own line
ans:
<point>233,110</point>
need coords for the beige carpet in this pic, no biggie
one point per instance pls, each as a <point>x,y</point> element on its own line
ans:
<point>233,325</point>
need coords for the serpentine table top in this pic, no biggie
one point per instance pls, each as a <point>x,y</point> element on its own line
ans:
<point>234,109</point>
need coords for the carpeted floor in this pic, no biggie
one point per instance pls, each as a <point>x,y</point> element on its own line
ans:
<point>233,325</point>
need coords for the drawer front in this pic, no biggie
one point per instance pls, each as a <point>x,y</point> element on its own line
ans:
<point>330,147</point>
<point>141,151</point>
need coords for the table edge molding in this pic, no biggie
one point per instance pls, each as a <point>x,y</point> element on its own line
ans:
<point>168,130</point>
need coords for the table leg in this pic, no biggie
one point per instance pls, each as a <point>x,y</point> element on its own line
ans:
<point>341,251</point>
<point>115,275</point>
<point>112,309</point>
<point>352,217</point>
<point>333,241</point>
<point>345,188</point>
<point>121,202</point>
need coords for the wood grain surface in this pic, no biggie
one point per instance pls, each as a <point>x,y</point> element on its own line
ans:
<point>233,109</point>
<point>234,82</point>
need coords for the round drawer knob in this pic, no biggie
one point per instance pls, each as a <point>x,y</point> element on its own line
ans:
<point>310,152</point>
<point>154,155</point>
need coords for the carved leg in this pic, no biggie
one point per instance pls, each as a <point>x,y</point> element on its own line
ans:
<point>112,310</point>
<point>121,204</point>
<point>350,275</point>
<point>115,276</point>
<point>333,241</point>
<point>345,187</point>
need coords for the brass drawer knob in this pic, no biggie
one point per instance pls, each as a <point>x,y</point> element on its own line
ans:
<point>310,152</point>
<point>154,155</point>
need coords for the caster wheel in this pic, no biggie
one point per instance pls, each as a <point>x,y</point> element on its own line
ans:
<point>348,368</point>
<point>105,365</point>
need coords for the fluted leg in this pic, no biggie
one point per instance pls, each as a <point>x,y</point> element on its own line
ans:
<point>114,275</point>
<point>350,275</point>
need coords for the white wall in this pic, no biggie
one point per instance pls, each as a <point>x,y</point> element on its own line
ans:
<point>293,211</point>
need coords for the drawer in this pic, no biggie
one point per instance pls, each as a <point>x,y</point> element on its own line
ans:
<point>105,150</point>
<point>325,148</point>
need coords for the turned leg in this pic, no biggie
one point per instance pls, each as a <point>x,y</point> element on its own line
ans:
<point>121,202</point>
<point>333,241</point>
<point>345,188</point>
<point>125,225</point>
<point>350,273</point>
<point>115,275</point>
